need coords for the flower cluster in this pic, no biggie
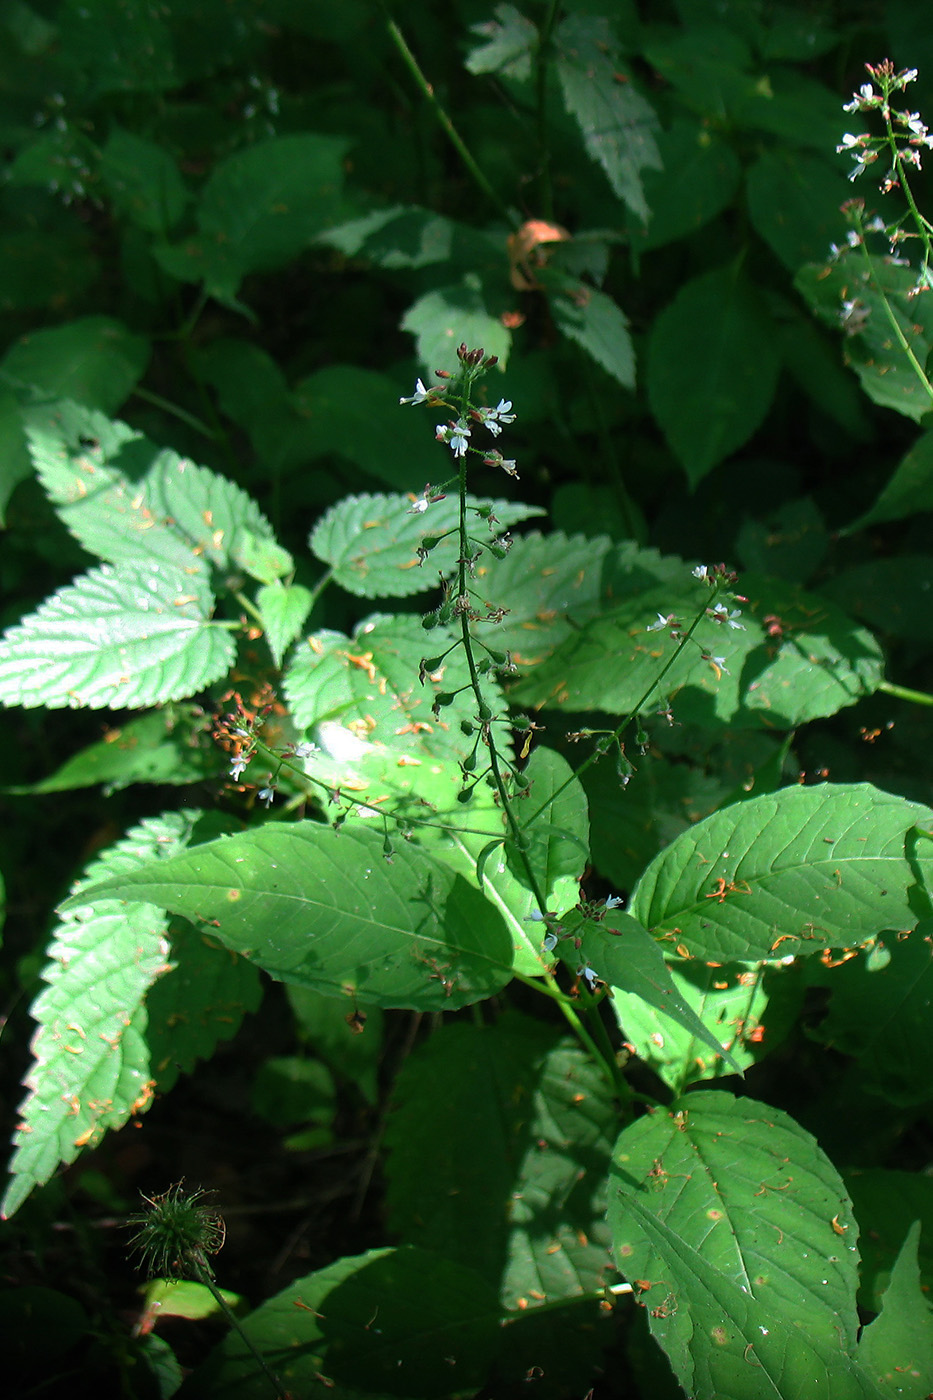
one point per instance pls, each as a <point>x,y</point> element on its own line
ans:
<point>905,134</point>
<point>457,432</point>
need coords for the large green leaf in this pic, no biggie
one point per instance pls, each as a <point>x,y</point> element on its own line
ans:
<point>793,201</point>
<point>909,491</point>
<point>712,369</point>
<point>785,657</point>
<point>259,209</point>
<point>737,1233</point>
<point>91,1066</point>
<point>126,636</point>
<point>391,1322</point>
<point>513,1130</point>
<point>95,360</point>
<point>698,179</point>
<point>325,909</point>
<point>617,124</point>
<point>371,542</point>
<point>897,1348</point>
<point>886,1204</point>
<point>786,874</point>
<point>506,44</point>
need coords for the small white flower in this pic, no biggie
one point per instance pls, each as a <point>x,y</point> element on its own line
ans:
<point>720,663</point>
<point>720,613</point>
<point>238,766</point>
<point>661,623</point>
<point>701,571</point>
<point>266,795</point>
<point>848,141</point>
<point>419,507</point>
<point>588,975</point>
<point>305,749</point>
<point>455,434</point>
<point>550,943</point>
<point>615,901</point>
<point>908,76</point>
<point>420,394</point>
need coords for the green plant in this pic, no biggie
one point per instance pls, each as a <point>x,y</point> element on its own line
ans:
<point>548,802</point>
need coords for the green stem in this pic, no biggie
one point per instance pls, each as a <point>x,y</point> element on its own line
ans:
<point>456,140</point>
<point>635,710</point>
<point>902,692</point>
<point>182,414</point>
<point>203,1275</point>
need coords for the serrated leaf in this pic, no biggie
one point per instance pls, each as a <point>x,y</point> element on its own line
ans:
<point>200,1002</point>
<point>438,1326</point>
<point>618,125</point>
<point>712,369</point>
<point>259,209</point>
<point>786,874</point>
<point>897,1348</point>
<point>594,321</point>
<point>444,318</point>
<point>143,181</point>
<point>95,360</point>
<point>371,542</point>
<point>91,1065</point>
<point>815,663</point>
<point>623,954</point>
<point>168,746</point>
<point>263,559</point>
<point>126,636</point>
<point>208,510</point>
<point>741,1238</point>
<point>518,1126</point>
<point>324,909</point>
<point>509,42</point>
<point>284,610</point>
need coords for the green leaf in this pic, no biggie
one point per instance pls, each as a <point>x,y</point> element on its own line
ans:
<point>879,1012</point>
<point>712,369</point>
<point>118,45</point>
<point>290,1090</point>
<point>126,636</point>
<point>448,316</point>
<point>259,209</point>
<point>698,178</point>
<point>438,1329</point>
<point>594,321</point>
<point>897,1348</point>
<point>793,201</point>
<point>617,124</point>
<point>792,657</point>
<point>514,1128</point>
<point>510,40</point>
<point>558,840</point>
<point>371,542</point>
<point>200,1002</point>
<point>909,492</point>
<point>739,1233</point>
<point>890,594</point>
<point>854,294</point>
<point>791,542</point>
<point>95,361</point>
<point>168,746</point>
<point>785,874</point>
<point>211,512</point>
<point>325,909</point>
<point>886,1204</point>
<point>708,64</point>
<point>263,559</point>
<point>91,1066</point>
<point>284,610</point>
<point>143,181</point>
<point>624,955</point>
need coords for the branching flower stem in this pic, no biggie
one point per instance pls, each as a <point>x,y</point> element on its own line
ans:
<point>636,709</point>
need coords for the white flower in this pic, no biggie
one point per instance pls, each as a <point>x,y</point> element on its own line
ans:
<point>419,507</point>
<point>420,394</point>
<point>238,765</point>
<point>848,141</point>
<point>615,901</point>
<point>494,418</point>
<point>305,749</point>
<point>456,435</point>
<point>661,623</point>
<point>588,975</point>
<point>550,943</point>
<point>266,795</point>
<point>701,571</point>
<point>720,613</point>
